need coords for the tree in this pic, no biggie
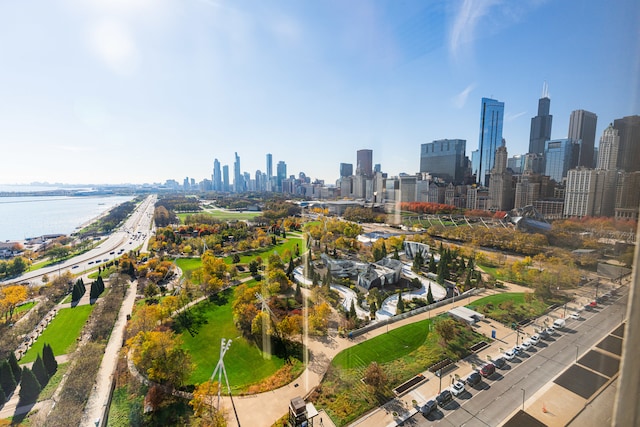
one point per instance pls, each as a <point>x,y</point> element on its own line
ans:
<point>10,297</point>
<point>40,371</point>
<point>17,370</point>
<point>17,266</point>
<point>7,381</point>
<point>253,267</point>
<point>432,264</point>
<point>352,310</point>
<point>204,396</point>
<point>372,309</point>
<point>290,326</point>
<point>160,355</point>
<point>400,306</point>
<point>430,299</point>
<point>29,387</point>
<point>375,377</point>
<point>49,360</point>
<point>418,261</point>
<point>446,328</point>
<point>3,397</point>
<point>396,255</point>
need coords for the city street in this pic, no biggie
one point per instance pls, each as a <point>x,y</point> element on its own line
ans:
<point>504,392</point>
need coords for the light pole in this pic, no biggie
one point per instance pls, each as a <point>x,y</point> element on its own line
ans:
<point>440,375</point>
<point>522,398</point>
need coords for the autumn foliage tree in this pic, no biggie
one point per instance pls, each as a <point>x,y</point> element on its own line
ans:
<point>11,297</point>
<point>203,403</point>
<point>159,354</point>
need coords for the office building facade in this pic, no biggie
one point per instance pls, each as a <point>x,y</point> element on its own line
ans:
<point>364,165</point>
<point>582,127</point>
<point>558,154</point>
<point>629,148</point>
<point>445,159</point>
<point>541,124</point>
<point>491,120</point>
<point>217,176</point>
<point>608,149</point>
<point>346,169</point>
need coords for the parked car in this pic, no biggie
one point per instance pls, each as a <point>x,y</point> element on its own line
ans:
<point>457,388</point>
<point>535,339</point>
<point>499,362</point>
<point>518,349</point>
<point>487,370</point>
<point>543,333</point>
<point>428,407</point>
<point>473,379</point>
<point>526,344</point>
<point>575,315</point>
<point>559,323</point>
<point>551,330</point>
<point>510,354</point>
<point>444,398</point>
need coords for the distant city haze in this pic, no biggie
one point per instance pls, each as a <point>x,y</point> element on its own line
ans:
<point>140,92</point>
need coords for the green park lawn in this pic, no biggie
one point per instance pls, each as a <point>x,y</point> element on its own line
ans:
<point>509,307</point>
<point>61,333</point>
<point>222,215</point>
<point>244,362</point>
<point>24,307</point>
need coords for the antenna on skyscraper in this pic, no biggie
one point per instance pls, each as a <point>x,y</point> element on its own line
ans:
<point>545,90</point>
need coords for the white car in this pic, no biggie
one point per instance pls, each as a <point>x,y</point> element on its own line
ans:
<point>575,315</point>
<point>510,354</point>
<point>527,344</point>
<point>457,388</point>
<point>551,330</point>
<point>535,339</point>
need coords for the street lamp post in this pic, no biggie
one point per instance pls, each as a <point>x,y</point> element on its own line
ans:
<point>522,398</point>
<point>440,375</point>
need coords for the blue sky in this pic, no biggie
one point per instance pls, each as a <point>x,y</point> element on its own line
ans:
<point>116,91</point>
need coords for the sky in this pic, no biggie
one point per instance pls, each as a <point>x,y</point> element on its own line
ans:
<point>141,91</point>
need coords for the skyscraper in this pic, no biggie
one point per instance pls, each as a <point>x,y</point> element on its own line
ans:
<point>225,178</point>
<point>629,150</point>
<point>444,158</point>
<point>500,183</point>
<point>217,176</point>
<point>281,174</point>
<point>346,169</point>
<point>491,118</point>
<point>364,167</point>
<point>582,127</point>
<point>238,186</point>
<point>608,149</point>
<point>558,154</point>
<point>269,165</point>
<point>541,124</point>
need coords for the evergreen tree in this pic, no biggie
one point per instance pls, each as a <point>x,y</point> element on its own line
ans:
<point>284,234</point>
<point>297,250</point>
<point>40,372</point>
<point>17,370</point>
<point>352,310</point>
<point>290,268</point>
<point>418,261</point>
<point>100,283</point>
<point>49,360</point>
<point>467,282</point>
<point>372,309</point>
<point>400,306</point>
<point>440,278</point>
<point>93,293</point>
<point>7,381</point>
<point>430,299</point>
<point>131,271</point>
<point>29,387</point>
<point>471,264</point>
<point>3,397</point>
<point>298,295</point>
<point>396,255</point>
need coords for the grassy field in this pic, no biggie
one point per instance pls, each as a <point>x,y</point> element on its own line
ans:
<point>222,215</point>
<point>403,353</point>
<point>188,264</point>
<point>204,347</point>
<point>62,333</point>
<point>24,307</point>
<point>384,348</point>
<point>509,307</point>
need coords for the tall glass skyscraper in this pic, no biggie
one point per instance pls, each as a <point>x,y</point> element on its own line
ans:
<point>444,158</point>
<point>491,118</point>
<point>541,125</point>
<point>217,176</point>
<point>269,165</point>
<point>558,155</point>
<point>582,127</point>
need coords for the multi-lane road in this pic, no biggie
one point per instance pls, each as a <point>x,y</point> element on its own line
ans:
<point>132,234</point>
<point>498,396</point>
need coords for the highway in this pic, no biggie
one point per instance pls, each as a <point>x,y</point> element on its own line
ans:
<point>498,396</point>
<point>132,234</point>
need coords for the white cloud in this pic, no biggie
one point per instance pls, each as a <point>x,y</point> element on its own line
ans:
<point>511,117</point>
<point>460,99</point>
<point>112,42</point>
<point>466,20</point>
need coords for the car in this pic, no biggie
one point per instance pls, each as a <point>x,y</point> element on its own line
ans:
<point>428,407</point>
<point>90,262</point>
<point>106,260</point>
<point>444,398</point>
<point>559,323</point>
<point>535,339</point>
<point>575,315</point>
<point>75,266</point>
<point>499,362</point>
<point>543,333</point>
<point>457,388</point>
<point>473,379</point>
<point>112,252</point>
<point>518,349</point>
<point>551,330</point>
<point>510,354</point>
<point>526,344</point>
<point>487,370</point>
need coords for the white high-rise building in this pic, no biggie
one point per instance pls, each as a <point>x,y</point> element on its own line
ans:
<point>608,149</point>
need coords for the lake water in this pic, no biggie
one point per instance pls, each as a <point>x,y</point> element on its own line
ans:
<point>33,216</point>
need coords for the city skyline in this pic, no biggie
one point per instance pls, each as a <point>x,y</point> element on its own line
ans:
<point>112,92</point>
